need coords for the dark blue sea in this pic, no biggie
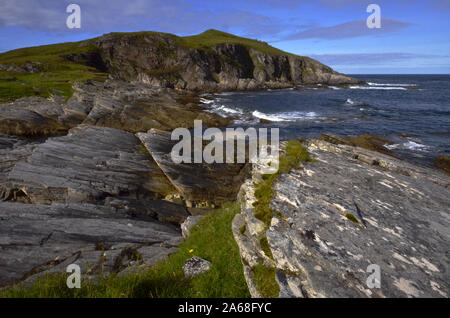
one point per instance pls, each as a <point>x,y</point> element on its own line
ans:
<point>413,111</point>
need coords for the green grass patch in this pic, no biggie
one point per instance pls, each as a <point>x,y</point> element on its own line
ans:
<point>210,239</point>
<point>352,218</point>
<point>56,72</point>
<point>264,243</point>
<point>211,38</point>
<point>294,155</point>
<point>264,278</point>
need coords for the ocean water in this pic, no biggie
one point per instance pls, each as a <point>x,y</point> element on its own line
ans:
<point>413,111</point>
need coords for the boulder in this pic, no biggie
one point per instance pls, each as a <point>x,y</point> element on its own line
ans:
<point>443,162</point>
<point>196,266</point>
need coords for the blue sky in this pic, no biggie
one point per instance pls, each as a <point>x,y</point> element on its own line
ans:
<point>414,37</point>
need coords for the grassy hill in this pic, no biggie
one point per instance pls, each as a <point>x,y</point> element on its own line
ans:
<point>52,69</point>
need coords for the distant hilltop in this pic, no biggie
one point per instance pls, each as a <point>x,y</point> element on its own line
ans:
<point>208,62</point>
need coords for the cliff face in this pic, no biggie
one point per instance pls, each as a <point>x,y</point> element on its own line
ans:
<point>211,61</point>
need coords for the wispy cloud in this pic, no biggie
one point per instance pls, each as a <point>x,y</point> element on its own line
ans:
<point>350,29</point>
<point>175,16</point>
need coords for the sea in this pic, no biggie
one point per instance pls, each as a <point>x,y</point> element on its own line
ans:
<point>412,111</point>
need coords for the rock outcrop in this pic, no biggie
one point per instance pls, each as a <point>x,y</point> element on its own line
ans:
<point>135,107</point>
<point>443,163</point>
<point>212,184</point>
<point>211,61</point>
<point>97,197</point>
<point>41,239</point>
<point>350,211</point>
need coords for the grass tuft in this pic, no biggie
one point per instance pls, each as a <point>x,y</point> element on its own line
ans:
<point>292,158</point>
<point>294,155</point>
<point>264,277</point>
<point>351,217</point>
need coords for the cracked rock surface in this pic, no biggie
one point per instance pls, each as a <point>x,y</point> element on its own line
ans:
<point>38,239</point>
<point>132,107</point>
<point>349,209</point>
<point>95,197</point>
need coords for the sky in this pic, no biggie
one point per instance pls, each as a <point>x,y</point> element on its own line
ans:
<point>414,37</point>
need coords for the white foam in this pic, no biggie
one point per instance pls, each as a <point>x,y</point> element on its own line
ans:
<point>224,111</point>
<point>411,145</point>
<point>206,101</point>
<point>392,147</point>
<point>377,87</point>
<point>349,101</point>
<point>415,146</point>
<point>388,84</point>
<point>229,110</point>
<point>285,116</point>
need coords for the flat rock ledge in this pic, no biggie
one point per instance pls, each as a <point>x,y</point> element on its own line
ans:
<point>338,219</point>
<point>98,197</point>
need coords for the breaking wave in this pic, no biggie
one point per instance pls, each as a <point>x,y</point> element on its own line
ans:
<point>410,145</point>
<point>285,116</point>
<point>378,87</point>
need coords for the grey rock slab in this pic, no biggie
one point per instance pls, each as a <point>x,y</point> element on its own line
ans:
<point>138,107</point>
<point>91,164</point>
<point>128,106</point>
<point>38,238</point>
<point>154,254</point>
<point>213,183</point>
<point>402,225</point>
<point>189,223</point>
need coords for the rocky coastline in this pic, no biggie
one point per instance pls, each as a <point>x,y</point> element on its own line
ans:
<point>88,179</point>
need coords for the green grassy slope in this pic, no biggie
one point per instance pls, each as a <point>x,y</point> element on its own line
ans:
<point>211,38</point>
<point>56,73</point>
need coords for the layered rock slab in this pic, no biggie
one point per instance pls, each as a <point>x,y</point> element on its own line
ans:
<point>90,164</point>
<point>40,239</point>
<point>208,184</point>
<point>86,192</point>
<point>350,209</point>
<point>339,215</point>
<point>138,107</point>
